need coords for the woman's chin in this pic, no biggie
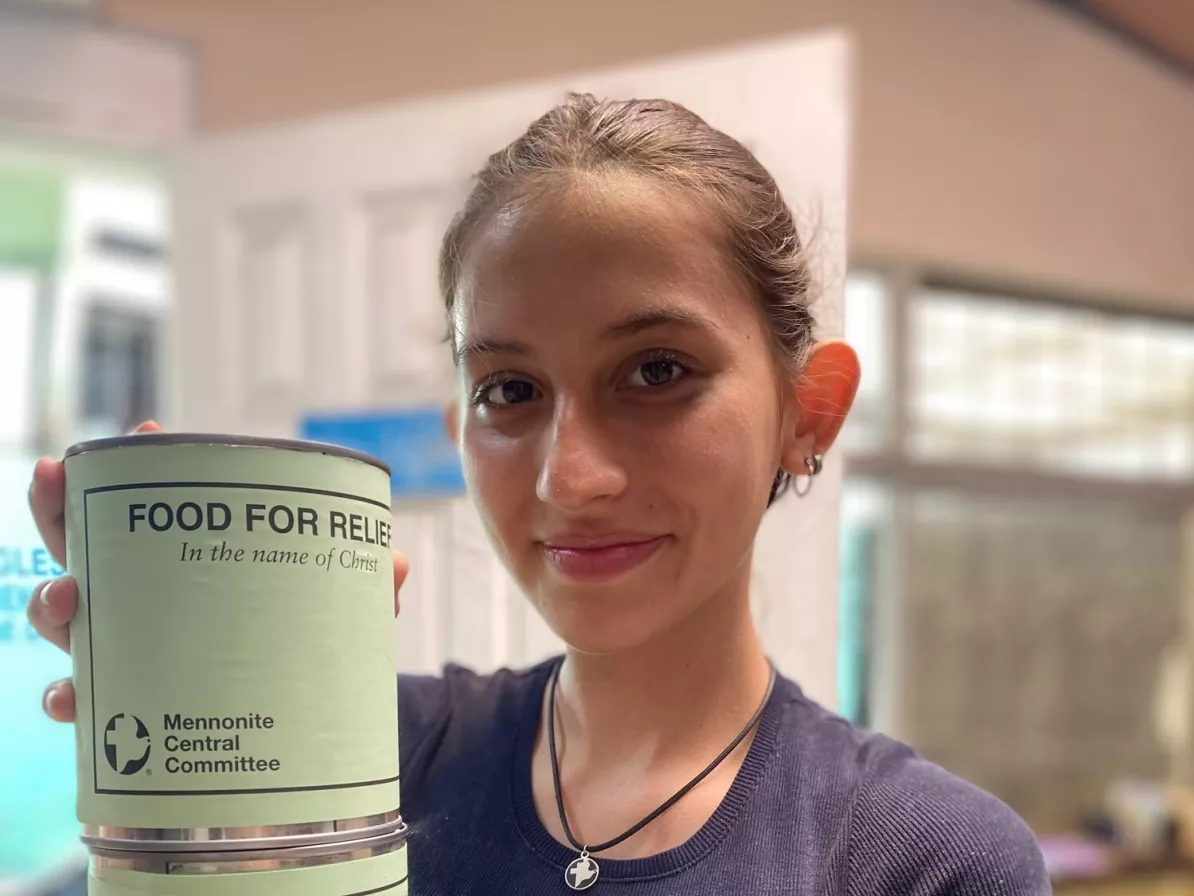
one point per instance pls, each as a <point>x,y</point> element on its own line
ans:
<point>606,643</point>
<point>594,623</point>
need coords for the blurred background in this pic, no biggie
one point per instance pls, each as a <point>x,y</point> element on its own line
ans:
<point>1015,591</point>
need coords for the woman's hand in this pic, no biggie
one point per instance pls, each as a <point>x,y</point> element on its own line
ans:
<point>54,602</point>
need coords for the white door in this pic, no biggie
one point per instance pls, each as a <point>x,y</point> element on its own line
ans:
<point>306,256</point>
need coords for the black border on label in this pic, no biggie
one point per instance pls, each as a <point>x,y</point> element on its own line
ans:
<point>384,889</point>
<point>87,493</point>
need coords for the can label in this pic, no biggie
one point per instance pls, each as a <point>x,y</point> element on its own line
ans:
<point>234,646</point>
<point>383,875</point>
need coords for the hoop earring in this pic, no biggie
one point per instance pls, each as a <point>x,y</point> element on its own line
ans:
<point>813,466</point>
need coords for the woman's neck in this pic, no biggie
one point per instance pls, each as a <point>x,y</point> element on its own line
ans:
<point>635,728</point>
<point>682,696</point>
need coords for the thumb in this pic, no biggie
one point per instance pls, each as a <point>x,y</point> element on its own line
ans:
<point>401,568</point>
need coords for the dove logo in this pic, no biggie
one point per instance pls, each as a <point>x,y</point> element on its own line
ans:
<point>126,744</point>
<point>581,874</point>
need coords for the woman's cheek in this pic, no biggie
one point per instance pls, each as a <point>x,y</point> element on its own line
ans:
<point>499,470</point>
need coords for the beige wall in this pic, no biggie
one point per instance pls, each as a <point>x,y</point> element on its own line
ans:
<point>995,137</point>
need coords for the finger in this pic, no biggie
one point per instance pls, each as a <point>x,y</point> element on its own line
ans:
<point>47,500</point>
<point>51,609</point>
<point>58,702</point>
<point>401,568</point>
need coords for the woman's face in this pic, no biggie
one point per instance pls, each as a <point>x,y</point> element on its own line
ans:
<point>622,413</point>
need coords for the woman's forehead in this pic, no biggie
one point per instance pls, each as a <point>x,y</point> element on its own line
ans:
<point>595,256</point>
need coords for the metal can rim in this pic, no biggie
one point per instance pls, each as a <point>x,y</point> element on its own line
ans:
<point>396,838</point>
<point>227,440</point>
<point>151,840</point>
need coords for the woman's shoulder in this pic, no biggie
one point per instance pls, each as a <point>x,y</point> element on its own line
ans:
<point>459,696</point>
<point>456,683</point>
<point>912,825</point>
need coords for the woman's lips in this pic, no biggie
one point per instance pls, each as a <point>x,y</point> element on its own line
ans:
<point>599,559</point>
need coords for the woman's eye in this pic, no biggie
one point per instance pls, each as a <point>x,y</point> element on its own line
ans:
<point>659,372</point>
<point>507,392</point>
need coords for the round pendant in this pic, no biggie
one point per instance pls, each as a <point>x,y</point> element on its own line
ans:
<point>581,873</point>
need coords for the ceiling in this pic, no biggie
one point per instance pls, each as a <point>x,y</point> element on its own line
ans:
<point>1164,29</point>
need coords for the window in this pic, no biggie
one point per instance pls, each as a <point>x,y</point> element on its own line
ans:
<point>1068,390</point>
<point>119,370</point>
<point>1030,638</point>
<point>1008,620</point>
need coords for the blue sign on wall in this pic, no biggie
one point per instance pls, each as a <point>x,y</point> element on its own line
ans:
<point>413,441</point>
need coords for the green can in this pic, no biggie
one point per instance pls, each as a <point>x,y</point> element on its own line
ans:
<point>234,644</point>
<point>374,866</point>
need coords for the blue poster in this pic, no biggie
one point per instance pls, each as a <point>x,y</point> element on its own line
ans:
<point>423,460</point>
<point>39,835</point>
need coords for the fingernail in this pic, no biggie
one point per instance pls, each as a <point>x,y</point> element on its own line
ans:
<point>48,697</point>
<point>44,596</point>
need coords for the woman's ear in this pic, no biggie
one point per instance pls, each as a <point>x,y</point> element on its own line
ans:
<point>452,421</point>
<point>824,393</point>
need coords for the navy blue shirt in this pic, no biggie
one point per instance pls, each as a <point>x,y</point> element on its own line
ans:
<point>818,807</point>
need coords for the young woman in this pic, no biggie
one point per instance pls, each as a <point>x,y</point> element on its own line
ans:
<point>628,303</point>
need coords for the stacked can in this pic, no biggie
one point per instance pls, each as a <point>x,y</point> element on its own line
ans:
<point>234,667</point>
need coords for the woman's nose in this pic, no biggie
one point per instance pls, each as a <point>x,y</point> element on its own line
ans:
<point>579,463</point>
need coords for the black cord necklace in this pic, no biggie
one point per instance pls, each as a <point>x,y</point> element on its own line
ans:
<point>582,871</point>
